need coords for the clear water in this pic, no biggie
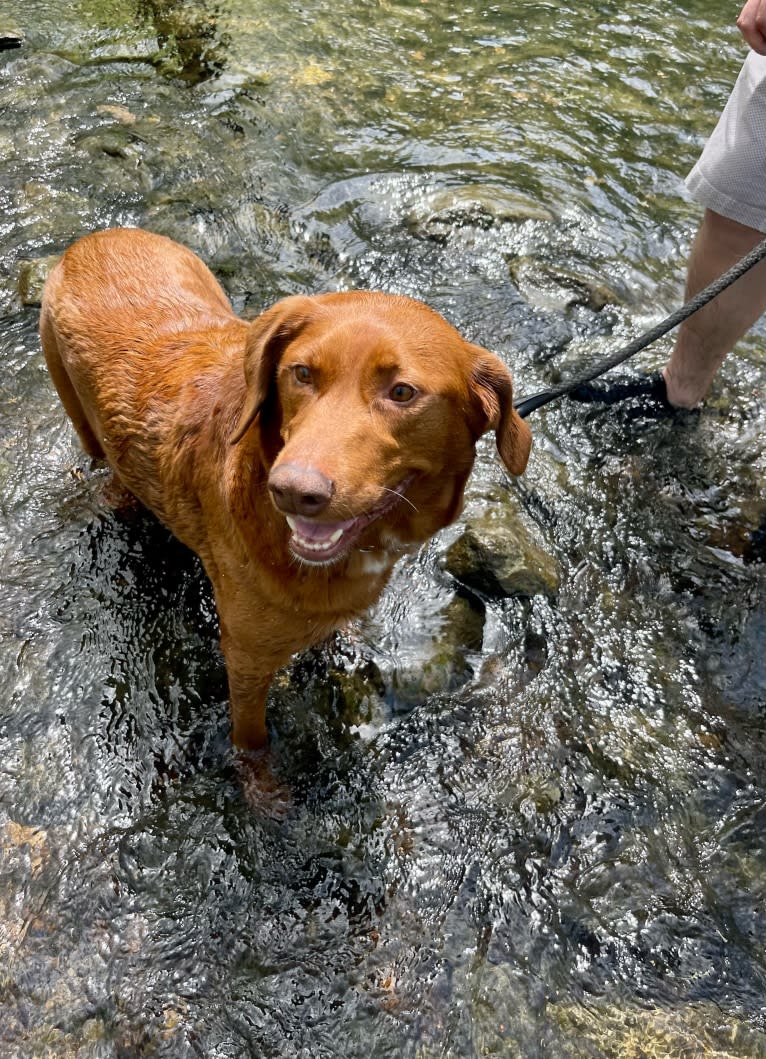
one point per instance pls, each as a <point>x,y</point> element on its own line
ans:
<point>544,841</point>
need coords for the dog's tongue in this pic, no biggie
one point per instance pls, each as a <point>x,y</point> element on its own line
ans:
<point>317,532</point>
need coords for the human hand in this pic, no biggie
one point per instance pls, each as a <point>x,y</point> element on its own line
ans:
<point>752,24</point>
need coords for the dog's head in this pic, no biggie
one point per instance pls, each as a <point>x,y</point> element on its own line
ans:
<point>369,407</point>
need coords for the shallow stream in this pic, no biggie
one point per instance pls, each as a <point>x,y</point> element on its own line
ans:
<point>524,824</point>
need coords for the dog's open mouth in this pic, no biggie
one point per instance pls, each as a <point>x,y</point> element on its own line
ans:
<point>323,542</point>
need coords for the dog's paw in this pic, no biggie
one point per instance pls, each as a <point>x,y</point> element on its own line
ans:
<point>262,790</point>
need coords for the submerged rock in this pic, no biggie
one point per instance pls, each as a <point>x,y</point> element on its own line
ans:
<point>119,113</point>
<point>356,694</point>
<point>498,554</point>
<point>443,664</point>
<point>472,206</point>
<point>699,1029</point>
<point>345,693</point>
<point>547,286</point>
<point>190,32</point>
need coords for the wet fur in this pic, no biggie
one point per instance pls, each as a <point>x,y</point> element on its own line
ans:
<point>193,407</point>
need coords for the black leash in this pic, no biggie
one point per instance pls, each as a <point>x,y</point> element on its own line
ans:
<point>537,400</point>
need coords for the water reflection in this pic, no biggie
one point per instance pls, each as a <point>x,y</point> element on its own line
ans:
<point>519,826</point>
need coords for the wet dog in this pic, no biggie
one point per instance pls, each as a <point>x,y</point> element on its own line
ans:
<point>299,454</point>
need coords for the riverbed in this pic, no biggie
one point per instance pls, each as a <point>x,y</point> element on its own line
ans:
<point>526,817</point>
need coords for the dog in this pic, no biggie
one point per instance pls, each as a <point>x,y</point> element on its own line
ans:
<point>299,454</point>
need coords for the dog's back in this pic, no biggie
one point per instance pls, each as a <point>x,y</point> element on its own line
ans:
<point>129,320</point>
<point>133,282</point>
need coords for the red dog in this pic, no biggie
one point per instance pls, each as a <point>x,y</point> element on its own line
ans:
<point>298,454</point>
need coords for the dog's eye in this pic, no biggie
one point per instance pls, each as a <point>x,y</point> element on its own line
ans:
<point>302,374</point>
<point>402,393</point>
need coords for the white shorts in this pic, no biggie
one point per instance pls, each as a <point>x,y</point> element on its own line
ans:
<point>730,176</point>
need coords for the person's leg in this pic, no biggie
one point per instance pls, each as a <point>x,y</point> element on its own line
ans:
<point>706,337</point>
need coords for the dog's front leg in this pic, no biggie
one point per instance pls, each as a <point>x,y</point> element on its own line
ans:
<point>263,791</point>
<point>248,688</point>
<point>257,640</point>
<point>248,714</point>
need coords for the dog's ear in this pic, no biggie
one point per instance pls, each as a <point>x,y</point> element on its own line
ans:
<point>269,334</point>
<point>493,393</point>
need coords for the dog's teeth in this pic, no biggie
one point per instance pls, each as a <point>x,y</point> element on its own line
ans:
<point>322,546</point>
<point>313,546</point>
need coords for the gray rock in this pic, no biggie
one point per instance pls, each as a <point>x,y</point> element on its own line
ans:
<point>32,277</point>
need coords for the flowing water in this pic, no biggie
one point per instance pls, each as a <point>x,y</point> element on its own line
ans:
<point>532,830</point>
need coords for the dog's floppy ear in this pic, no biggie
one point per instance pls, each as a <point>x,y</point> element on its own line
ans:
<point>493,392</point>
<point>269,334</point>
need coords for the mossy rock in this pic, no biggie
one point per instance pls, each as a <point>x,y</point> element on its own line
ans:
<point>498,556</point>
<point>349,691</point>
<point>32,277</point>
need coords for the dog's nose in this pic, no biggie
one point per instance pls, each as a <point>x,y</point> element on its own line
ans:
<point>300,490</point>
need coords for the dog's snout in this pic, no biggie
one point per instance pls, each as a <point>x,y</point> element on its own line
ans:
<point>300,490</point>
